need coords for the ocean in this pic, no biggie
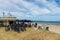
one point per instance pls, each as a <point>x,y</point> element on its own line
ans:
<point>48,22</point>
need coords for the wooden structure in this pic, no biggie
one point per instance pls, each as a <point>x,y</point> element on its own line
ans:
<point>7,19</point>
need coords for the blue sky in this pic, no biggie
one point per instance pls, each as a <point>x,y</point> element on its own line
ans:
<point>47,10</point>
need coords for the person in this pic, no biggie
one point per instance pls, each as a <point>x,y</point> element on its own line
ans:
<point>47,28</point>
<point>32,25</point>
<point>23,26</point>
<point>35,25</point>
<point>16,28</point>
<point>29,24</point>
<point>8,28</point>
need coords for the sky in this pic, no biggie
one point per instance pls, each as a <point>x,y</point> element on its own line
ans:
<point>46,10</point>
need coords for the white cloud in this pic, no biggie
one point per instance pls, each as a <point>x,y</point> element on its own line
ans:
<point>41,11</point>
<point>30,10</point>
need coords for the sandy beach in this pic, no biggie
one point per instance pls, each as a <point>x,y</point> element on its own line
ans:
<point>52,28</point>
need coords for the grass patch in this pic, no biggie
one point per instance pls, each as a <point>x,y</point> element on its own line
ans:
<point>30,34</point>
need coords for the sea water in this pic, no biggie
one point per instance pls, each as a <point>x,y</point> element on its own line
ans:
<point>49,22</point>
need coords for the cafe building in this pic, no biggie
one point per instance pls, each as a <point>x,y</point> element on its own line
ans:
<point>5,20</point>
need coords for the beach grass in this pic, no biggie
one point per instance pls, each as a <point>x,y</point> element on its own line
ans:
<point>30,34</point>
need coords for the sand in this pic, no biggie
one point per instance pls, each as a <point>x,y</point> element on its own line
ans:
<point>52,28</point>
